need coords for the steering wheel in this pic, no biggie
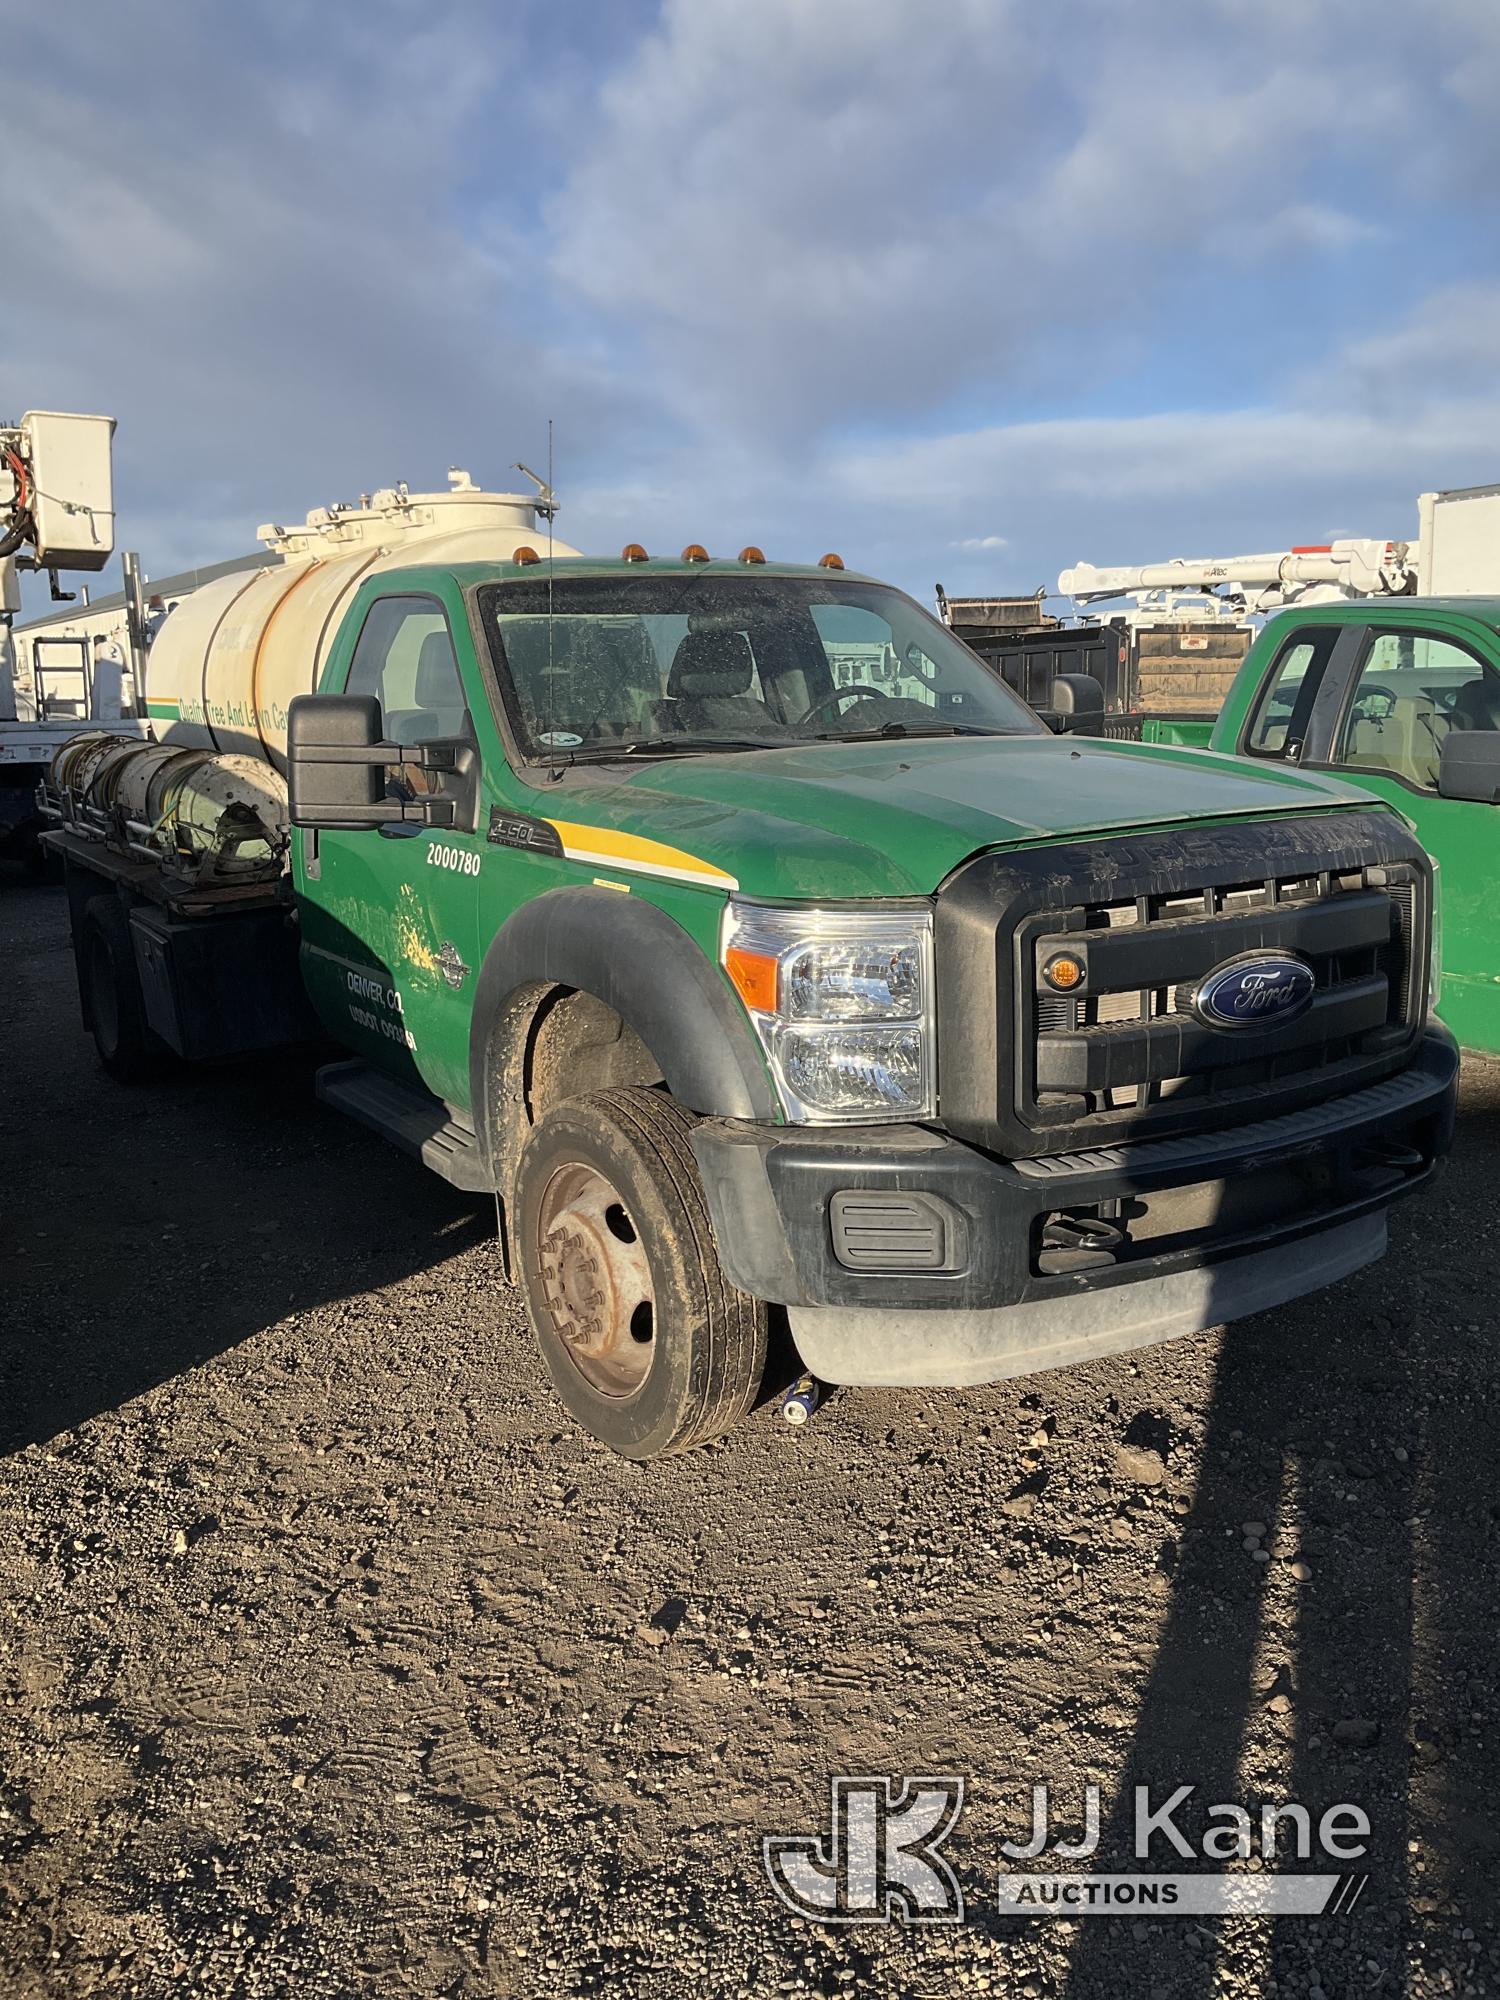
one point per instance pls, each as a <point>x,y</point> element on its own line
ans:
<point>835,701</point>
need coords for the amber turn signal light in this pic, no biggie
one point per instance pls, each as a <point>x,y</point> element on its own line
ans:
<point>754,976</point>
<point>1064,972</point>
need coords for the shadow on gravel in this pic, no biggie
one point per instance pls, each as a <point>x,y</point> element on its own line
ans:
<point>1361,1432</point>
<point>190,1215</point>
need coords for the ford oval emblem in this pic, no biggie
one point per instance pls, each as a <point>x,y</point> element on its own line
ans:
<point>1260,990</point>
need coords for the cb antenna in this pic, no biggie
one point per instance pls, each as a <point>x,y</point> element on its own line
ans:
<point>546,506</point>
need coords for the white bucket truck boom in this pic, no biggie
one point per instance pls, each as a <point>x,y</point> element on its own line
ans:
<point>1245,585</point>
<point>57,514</point>
<point>1456,554</point>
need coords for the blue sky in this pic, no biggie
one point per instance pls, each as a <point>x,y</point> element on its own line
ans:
<point>967,293</point>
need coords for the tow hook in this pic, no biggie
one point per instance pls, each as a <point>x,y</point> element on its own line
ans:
<point>1078,1243</point>
<point>1385,1160</point>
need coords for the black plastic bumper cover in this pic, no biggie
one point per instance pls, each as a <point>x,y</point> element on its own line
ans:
<point>770,1193</point>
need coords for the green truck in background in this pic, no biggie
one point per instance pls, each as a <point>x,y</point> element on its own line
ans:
<point>743,984</point>
<point>1383,666</point>
<point>1400,696</point>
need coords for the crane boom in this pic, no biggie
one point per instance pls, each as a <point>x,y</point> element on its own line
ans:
<point>1251,583</point>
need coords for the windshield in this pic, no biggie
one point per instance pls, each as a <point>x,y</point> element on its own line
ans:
<point>641,665</point>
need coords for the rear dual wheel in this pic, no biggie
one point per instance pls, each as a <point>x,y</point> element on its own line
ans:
<point>114,1007</point>
<point>647,1342</point>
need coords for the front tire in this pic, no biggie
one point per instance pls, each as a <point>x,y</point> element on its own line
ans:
<point>647,1342</point>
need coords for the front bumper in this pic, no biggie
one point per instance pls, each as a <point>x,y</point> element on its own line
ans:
<point>904,1255</point>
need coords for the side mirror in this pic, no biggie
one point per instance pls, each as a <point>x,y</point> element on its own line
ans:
<point>337,762</point>
<point>1074,701</point>
<point>1470,766</point>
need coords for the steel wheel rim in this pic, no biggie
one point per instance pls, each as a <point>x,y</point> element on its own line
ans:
<point>596,1280</point>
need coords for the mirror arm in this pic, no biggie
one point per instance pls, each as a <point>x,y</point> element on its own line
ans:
<point>424,756</point>
<point>388,812</point>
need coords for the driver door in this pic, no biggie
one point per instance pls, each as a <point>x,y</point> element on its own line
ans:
<point>390,913</point>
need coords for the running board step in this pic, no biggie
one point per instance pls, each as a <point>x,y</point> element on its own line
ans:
<point>419,1124</point>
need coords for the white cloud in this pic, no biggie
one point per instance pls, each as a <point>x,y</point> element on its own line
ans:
<point>772,198</point>
<point>248,247</point>
<point>1310,229</point>
<point>808,276</point>
<point>1449,344</point>
<point>1100,489</point>
<point>810,215</point>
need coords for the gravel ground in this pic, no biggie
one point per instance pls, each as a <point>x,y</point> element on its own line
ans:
<point>333,1662</point>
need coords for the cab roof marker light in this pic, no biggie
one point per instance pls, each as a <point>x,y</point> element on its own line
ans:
<point>830,561</point>
<point>751,554</point>
<point>695,552</point>
<point>525,555</point>
<point>633,552</point>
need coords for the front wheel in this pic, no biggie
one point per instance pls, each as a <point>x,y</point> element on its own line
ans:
<point>647,1342</point>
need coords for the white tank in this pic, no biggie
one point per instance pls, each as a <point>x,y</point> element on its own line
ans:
<point>227,662</point>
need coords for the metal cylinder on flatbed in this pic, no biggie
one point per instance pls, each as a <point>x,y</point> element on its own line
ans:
<point>189,793</point>
<point>190,804</point>
<point>89,764</point>
<point>226,664</point>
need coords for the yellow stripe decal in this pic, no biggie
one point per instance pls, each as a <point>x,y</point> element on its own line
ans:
<point>596,844</point>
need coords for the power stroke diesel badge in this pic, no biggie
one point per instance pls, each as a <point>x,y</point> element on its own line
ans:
<point>1260,990</point>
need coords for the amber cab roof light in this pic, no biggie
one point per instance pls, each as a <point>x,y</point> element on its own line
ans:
<point>830,561</point>
<point>695,552</point>
<point>524,555</point>
<point>633,552</point>
<point>751,554</point>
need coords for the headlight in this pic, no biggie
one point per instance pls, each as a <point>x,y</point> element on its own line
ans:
<point>842,1002</point>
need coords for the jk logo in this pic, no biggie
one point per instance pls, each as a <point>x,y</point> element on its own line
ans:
<point>882,1861</point>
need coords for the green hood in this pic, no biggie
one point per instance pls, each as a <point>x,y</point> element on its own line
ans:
<point>894,818</point>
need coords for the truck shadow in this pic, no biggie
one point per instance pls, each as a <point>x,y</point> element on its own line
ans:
<point>149,1229</point>
<point>1358,1426</point>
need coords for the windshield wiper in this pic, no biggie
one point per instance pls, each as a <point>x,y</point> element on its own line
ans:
<point>673,746</point>
<point>694,746</point>
<point>890,730</point>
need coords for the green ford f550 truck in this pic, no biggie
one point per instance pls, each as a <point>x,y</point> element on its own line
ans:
<point>745,980</point>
